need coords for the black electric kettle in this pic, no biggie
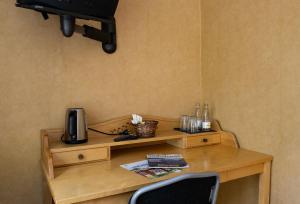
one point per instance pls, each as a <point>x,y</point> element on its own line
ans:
<point>75,127</point>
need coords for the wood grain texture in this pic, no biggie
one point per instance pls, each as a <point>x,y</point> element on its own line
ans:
<point>118,124</point>
<point>81,156</point>
<point>165,131</point>
<point>202,140</point>
<point>115,199</point>
<point>228,138</point>
<point>46,156</point>
<point>97,180</point>
<point>97,140</point>
<point>100,146</point>
<point>264,184</point>
<point>225,176</point>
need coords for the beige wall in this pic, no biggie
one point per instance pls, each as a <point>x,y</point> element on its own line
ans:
<point>156,70</point>
<point>250,72</point>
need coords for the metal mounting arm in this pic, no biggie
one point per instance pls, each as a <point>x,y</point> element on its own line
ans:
<point>107,35</point>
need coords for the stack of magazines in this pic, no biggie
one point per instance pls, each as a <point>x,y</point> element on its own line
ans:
<point>166,161</point>
<point>158,165</point>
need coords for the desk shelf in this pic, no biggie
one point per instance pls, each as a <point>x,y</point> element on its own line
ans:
<point>100,147</point>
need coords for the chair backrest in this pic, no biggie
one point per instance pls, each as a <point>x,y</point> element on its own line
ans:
<point>198,188</point>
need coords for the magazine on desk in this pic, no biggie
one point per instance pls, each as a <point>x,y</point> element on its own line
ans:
<point>166,161</point>
<point>142,168</point>
<point>158,165</point>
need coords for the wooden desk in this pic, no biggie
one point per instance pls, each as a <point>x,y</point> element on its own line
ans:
<point>106,182</point>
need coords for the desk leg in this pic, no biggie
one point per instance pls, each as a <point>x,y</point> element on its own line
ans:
<point>264,184</point>
<point>47,197</point>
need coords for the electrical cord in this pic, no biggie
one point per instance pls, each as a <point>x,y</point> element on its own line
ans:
<point>125,132</point>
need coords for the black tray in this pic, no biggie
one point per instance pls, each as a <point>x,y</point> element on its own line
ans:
<point>178,129</point>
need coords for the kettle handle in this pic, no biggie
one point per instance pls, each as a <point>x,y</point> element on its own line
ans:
<point>73,123</point>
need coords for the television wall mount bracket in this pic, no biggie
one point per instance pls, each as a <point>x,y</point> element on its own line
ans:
<point>107,35</point>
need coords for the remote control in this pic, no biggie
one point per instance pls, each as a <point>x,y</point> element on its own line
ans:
<point>125,137</point>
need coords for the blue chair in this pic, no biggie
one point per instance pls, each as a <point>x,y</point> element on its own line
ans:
<point>198,188</point>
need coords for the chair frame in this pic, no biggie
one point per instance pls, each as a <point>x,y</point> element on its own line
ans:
<point>160,184</point>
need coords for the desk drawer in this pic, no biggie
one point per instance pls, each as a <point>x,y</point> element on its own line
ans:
<point>202,140</point>
<point>80,156</point>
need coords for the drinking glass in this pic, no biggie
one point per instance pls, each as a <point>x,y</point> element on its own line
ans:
<point>193,125</point>
<point>184,122</point>
<point>199,124</point>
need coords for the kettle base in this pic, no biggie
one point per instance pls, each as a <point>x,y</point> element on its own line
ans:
<point>76,142</point>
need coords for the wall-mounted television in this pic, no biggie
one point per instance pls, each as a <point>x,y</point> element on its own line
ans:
<point>69,10</point>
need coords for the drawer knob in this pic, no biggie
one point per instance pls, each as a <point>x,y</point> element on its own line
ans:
<point>80,156</point>
<point>204,140</point>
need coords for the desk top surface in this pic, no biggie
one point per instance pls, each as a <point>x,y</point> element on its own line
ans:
<point>96,180</point>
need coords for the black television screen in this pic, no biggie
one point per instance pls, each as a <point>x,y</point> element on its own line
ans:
<point>69,10</point>
<point>95,8</point>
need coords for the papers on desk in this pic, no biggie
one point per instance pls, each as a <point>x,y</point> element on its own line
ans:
<point>142,168</point>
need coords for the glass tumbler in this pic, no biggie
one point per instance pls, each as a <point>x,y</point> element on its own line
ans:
<point>184,123</point>
<point>193,125</point>
<point>199,124</point>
